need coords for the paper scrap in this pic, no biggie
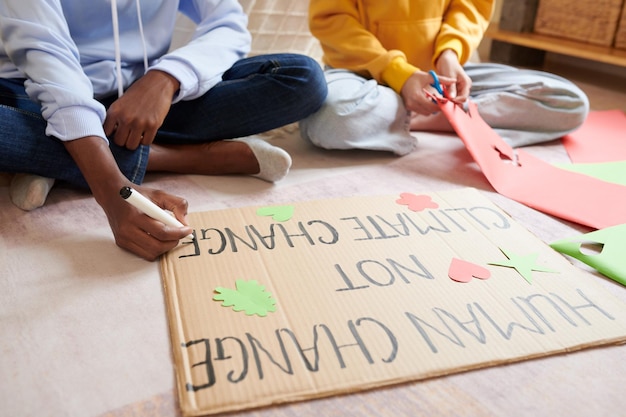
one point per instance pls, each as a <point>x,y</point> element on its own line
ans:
<point>249,297</point>
<point>610,261</point>
<point>278,213</point>
<point>524,264</point>
<point>417,202</point>
<point>464,271</point>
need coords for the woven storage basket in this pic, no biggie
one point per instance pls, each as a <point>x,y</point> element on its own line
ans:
<point>591,21</point>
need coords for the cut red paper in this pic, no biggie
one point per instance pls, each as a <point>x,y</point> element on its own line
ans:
<point>464,271</point>
<point>417,202</point>
<point>600,139</point>
<point>519,175</point>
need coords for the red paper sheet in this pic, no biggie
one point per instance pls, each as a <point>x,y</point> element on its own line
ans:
<point>524,178</point>
<point>602,138</point>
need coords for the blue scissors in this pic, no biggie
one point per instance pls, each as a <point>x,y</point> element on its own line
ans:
<point>436,84</point>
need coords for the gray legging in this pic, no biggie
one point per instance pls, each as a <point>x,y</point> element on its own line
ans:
<point>524,106</point>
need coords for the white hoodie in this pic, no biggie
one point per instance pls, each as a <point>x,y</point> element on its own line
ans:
<point>66,50</point>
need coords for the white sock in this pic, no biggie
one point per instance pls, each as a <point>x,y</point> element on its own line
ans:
<point>28,191</point>
<point>274,162</point>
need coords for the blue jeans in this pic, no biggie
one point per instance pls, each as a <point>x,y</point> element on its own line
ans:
<point>255,95</point>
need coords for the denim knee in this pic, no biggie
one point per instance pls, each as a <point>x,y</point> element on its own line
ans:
<point>311,84</point>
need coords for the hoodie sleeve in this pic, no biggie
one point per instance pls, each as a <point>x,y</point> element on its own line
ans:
<point>464,25</point>
<point>221,38</point>
<point>37,40</point>
<point>338,25</point>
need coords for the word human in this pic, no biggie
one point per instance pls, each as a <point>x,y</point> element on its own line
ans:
<point>279,236</point>
<point>367,342</point>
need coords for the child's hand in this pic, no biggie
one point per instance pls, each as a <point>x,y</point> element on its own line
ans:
<point>448,66</point>
<point>414,92</point>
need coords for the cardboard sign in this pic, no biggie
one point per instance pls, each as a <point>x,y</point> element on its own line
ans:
<point>310,299</point>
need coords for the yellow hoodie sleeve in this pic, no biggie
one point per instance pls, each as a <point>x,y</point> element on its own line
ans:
<point>347,44</point>
<point>464,25</point>
<point>389,42</point>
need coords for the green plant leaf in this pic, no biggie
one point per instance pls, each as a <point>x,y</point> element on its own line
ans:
<point>250,297</point>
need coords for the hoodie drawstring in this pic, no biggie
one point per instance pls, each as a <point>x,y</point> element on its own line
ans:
<point>143,39</point>
<point>116,40</point>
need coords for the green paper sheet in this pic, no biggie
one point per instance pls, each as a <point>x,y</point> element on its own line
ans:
<point>610,262</point>
<point>614,172</point>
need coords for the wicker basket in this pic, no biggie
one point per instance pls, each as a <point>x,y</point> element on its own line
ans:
<point>589,21</point>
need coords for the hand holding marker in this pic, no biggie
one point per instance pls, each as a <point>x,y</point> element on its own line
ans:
<point>149,208</point>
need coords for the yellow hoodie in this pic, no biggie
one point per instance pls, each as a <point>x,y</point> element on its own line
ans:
<point>390,40</point>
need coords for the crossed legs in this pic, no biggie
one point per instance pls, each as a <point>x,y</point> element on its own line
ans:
<point>243,156</point>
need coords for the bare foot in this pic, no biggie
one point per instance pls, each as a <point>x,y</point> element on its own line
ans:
<point>213,158</point>
<point>248,156</point>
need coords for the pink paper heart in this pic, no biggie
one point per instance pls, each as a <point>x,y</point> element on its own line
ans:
<point>464,271</point>
<point>417,202</point>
